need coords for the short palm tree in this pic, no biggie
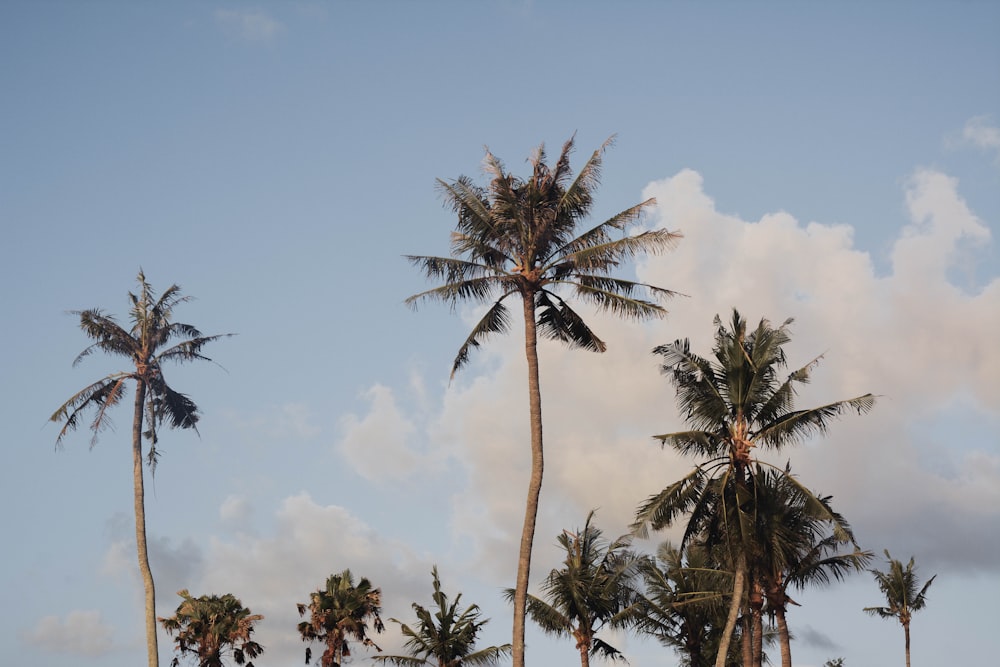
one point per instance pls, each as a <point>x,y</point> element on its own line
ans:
<point>594,589</point>
<point>152,340</point>
<point>446,637</point>
<point>521,238</point>
<point>340,612</point>
<point>735,403</point>
<point>682,604</point>
<point>903,593</point>
<point>212,627</point>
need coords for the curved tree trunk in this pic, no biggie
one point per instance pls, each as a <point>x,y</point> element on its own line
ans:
<point>140,525</point>
<point>535,483</point>
<point>734,611</point>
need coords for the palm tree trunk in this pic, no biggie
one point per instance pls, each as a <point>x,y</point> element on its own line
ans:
<point>785,639</point>
<point>757,620</point>
<point>535,483</point>
<point>746,641</point>
<point>906,631</point>
<point>140,525</point>
<point>584,654</point>
<point>734,611</point>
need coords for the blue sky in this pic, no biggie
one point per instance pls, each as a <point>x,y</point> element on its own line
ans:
<point>835,163</point>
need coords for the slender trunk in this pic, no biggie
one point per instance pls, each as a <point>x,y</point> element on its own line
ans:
<point>734,611</point>
<point>784,637</point>
<point>140,525</point>
<point>757,619</point>
<point>906,631</point>
<point>535,483</point>
<point>746,641</point>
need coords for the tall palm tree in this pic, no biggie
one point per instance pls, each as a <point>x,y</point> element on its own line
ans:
<point>520,238</point>
<point>211,627</point>
<point>338,612</point>
<point>798,541</point>
<point>152,340</point>
<point>594,589</point>
<point>446,637</point>
<point>735,403</point>
<point>903,593</point>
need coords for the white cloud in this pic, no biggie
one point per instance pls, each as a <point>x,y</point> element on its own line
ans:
<point>379,445</point>
<point>252,26</point>
<point>78,633</point>
<point>980,132</point>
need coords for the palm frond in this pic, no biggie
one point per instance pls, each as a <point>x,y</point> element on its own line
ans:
<point>106,392</point>
<point>557,321</point>
<point>495,321</point>
<point>798,425</point>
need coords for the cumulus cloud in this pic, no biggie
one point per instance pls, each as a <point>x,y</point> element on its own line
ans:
<point>379,444</point>
<point>81,632</point>
<point>249,25</point>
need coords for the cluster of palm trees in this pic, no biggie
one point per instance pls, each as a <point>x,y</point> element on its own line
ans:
<point>752,531</point>
<point>212,629</point>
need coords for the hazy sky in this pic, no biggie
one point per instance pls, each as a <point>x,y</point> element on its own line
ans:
<point>838,163</point>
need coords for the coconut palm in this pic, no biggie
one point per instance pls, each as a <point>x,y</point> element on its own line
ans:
<point>798,542</point>
<point>594,589</point>
<point>152,340</point>
<point>683,603</point>
<point>735,403</point>
<point>340,612</point>
<point>445,637</point>
<point>903,593</point>
<point>212,627</point>
<point>521,239</point>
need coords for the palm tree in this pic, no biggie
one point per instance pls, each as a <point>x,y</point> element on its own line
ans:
<point>520,238</point>
<point>798,539</point>
<point>733,404</point>
<point>446,638</point>
<point>210,627</point>
<point>340,611</point>
<point>682,602</point>
<point>153,339</point>
<point>903,593</point>
<point>594,589</point>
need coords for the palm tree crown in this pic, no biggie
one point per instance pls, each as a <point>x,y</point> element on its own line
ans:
<point>212,626</point>
<point>520,238</point>
<point>340,611</point>
<point>446,637</point>
<point>152,340</point>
